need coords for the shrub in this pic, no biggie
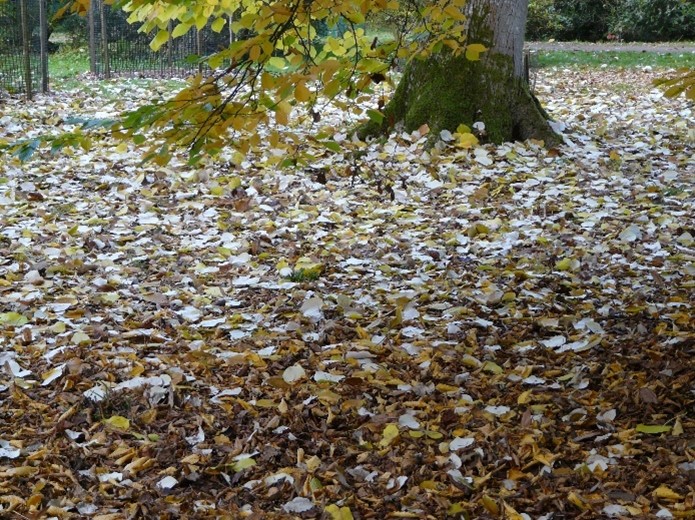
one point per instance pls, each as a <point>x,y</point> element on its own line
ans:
<point>655,20</point>
<point>543,20</point>
<point>586,20</point>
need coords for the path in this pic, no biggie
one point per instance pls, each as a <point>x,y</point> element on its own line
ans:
<point>667,47</point>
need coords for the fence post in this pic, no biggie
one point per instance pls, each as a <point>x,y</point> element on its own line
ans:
<point>92,39</point>
<point>170,47</point>
<point>105,41</point>
<point>26,47</point>
<point>199,47</point>
<point>43,45</point>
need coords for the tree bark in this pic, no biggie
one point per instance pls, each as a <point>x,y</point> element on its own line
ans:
<point>444,91</point>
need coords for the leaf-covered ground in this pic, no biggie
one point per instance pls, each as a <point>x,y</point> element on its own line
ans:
<point>494,332</point>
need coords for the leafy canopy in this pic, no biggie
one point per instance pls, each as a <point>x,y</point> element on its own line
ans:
<point>277,63</point>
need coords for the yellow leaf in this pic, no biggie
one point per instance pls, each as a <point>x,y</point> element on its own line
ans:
<point>181,29</point>
<point>467,140</point>
<point>511,513</point>
<point>118,421</point>
<point>218,24</point>
<point>677,428</point>
<point>20,471</point>
<point>282,112</point>
<point>339,513</point>
<point>301,92</point>
<point>524,397</point>
<point>244,463</point>
<point>474,50</point>
<point>79,338</point>
<point>490,504</point>
<point>666,493</point>
<point>13,318</point>
<point>575,499</point>
<point>653,429</point>
<point>267,80</point>
<point>566,264</point>
<point>492,367</point>
<point>390,434</point>
<point>160,39</point>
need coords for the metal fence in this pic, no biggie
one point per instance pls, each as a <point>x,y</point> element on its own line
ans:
<point>23,46</point>
<point>118,48</point>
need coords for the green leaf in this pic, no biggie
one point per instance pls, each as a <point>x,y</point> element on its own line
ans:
<point>375,116</point>
<point>27,149</point>
<point>653,429</point>
<point>332,145</point>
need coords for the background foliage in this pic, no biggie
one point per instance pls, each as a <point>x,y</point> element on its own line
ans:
<point>594,20</point>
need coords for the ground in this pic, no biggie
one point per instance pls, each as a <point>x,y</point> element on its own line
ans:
<point>470,332</point>
<point>665,47</point>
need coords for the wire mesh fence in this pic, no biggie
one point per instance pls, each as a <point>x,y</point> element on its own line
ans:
<point>116,47</point>
<point>23,40</point>
<point>119,48</point>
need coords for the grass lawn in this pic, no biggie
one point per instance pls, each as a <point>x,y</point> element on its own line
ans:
<point>621,59</point>
<point>66,66</point>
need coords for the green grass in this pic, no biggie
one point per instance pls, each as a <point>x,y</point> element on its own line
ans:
<point>68,64</point>
<point>621,59</point>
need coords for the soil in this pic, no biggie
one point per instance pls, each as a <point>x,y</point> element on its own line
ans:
<point>665,48</point>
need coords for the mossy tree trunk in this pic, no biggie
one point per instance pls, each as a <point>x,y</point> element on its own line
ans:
<point>444,91</point>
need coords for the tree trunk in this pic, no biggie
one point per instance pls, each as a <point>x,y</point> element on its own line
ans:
<point>444,91</point>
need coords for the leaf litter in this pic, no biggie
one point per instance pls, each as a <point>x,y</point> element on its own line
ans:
<point>472,331</point>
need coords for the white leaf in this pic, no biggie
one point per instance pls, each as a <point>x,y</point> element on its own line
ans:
<point>52,375</point>
<point>631,233</point>
<point>614,510</point>
<point>167,482</point>
<point>446,136</point>
<point>96,393</point>
<point>325,376</point>
<point>245,281</point>
<point>497,410</point>
<point>15,369</point>
<point>213,322</point>
<point>105,477</point>
<point>533,380</point>
<point>293,373</point>
<point>607,416</point>
<point>554,342</point>
<point>481,156</point>
<point>196,438</point>
<point>408,420</point>
<point>311,308</point>
<point>298,505</point>
<point>190,313</point>
<point>8,451</point>
<point>458,477</point>
<point>460,443</point>
<point>278,477</point>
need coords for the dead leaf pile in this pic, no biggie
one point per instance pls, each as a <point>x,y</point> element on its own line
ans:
<point>475,331</point>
